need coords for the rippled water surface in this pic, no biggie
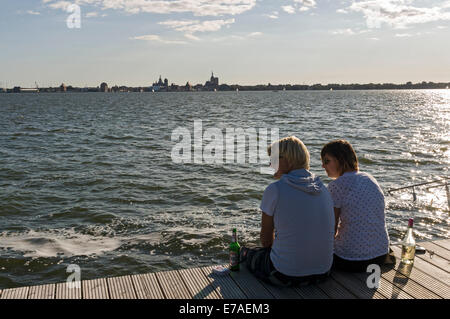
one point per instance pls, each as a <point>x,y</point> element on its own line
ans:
<point>88,178</point>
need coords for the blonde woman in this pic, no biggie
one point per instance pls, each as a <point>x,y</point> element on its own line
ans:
<point>297,227</point>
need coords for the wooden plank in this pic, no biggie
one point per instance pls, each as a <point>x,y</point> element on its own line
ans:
<point>443,243</point>
<point>386,288</point>
<point>172,285</point>
<point>249,284</point>
<point>225,286</point>
<point>95,289</point>
<point>311,292</point>
<point>64,291</point>
<point>428,278</point>
<point>15,293</point>
<point>426,267</point>
<point>438,250</point>
<point>408,285</point>
<point>198,284</point>
<point>334,290</point>
<point>281,292</point>
<point>42,292</point>
<point>356,286</point>
<point>147,286</point>
<point>121,288</point>
<point>423,279</point>
<point>430,283</point>
<point>436,260</point>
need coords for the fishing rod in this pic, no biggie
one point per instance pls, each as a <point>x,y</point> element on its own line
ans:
<point>443,182</point>
<point>421,184</point>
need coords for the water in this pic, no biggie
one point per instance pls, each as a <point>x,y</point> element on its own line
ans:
<point>88,179</point>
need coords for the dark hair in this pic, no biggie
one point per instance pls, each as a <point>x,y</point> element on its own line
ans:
<point>344,154</point>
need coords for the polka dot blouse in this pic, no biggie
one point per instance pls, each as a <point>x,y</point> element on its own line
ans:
<point>362,232</point>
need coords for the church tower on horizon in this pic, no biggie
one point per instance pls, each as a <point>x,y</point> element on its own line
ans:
<point>213,83</point>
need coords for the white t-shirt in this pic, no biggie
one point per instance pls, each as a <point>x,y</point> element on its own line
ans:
<point>362,232</point>
<point>303,215</point>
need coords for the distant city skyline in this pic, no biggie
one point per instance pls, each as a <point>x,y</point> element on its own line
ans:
<point>245,42</point>
<point>213,84</point>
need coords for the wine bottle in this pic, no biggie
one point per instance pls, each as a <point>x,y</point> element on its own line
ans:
<point>409,245</point>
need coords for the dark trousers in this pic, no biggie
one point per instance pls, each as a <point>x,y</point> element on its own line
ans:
<point>361,265</point>
<point>259,264</point>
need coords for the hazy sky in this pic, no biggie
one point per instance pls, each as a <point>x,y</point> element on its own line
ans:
<point>132,42</point>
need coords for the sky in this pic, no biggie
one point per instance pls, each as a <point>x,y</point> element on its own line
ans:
<point>247,42</point>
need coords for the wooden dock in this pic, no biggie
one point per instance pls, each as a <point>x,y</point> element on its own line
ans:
<point>429,278</point>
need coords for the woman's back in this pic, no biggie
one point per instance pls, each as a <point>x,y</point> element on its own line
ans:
<point>302,209</point>
<point>362,232</point>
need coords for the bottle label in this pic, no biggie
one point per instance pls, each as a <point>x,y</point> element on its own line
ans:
<point>408,252</point>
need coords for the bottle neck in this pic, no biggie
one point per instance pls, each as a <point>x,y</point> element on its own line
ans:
<point>410,223</point>
<point>409,232</point>
<point>409,237</point>
<point>234,238</point>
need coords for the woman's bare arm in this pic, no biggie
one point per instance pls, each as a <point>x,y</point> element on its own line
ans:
<point>337,213</point>
<point>267,230</point>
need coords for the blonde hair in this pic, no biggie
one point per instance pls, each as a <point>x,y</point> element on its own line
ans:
<point>293,150</point>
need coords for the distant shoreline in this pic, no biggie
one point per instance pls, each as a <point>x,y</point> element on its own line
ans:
<point>227,88</point>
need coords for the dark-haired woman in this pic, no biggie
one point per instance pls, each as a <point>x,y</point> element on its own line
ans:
<point>361,236</point>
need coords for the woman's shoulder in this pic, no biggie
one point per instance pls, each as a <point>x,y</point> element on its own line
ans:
<point>367,176</point>
<point>272,188</point>
<point>354,175</point>
<point>346,180</point>
<point>365,180</point>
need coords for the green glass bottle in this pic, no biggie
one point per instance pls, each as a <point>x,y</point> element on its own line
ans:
<point>234,252</point>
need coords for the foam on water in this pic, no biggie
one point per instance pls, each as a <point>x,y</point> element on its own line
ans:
<point>57,243</point>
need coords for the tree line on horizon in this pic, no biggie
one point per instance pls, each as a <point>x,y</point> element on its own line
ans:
<point>336,86</point>
<point>259,87</point>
